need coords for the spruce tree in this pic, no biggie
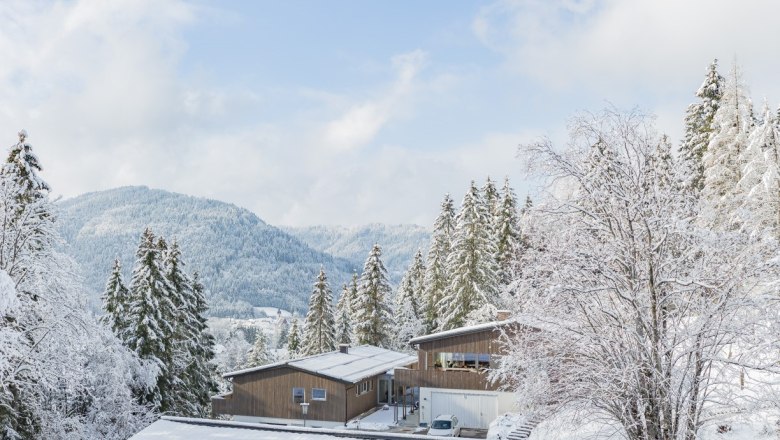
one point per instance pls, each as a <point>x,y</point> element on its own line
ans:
<point>472,294</point>
<point>492,200</point>
<point>283,329</point>
<point>343,317</point>
<point>353,293</point>
<point>116,302</point>
<point>23,165</point>
<point>374,317</point>
<point>294,340</point>
<point>320,327</point>
<point>436,277</point>
<point>259,355</point>
<point>760,184</point>
<point>409,315</point>
<point>201,373</point>
<point>152,317</point>
<point>507,235</point>
<point>700,126</point>
<point>722,167</point>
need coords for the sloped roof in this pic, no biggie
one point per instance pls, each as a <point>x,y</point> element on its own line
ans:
<point>359,363</point>
<point>461,331</point>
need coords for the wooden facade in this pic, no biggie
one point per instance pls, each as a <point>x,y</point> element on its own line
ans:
<point>269,393</point>
<point>483,340</point>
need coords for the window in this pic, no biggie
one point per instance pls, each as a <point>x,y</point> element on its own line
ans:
<point>462,361</point>
<point>318,394</point>
<point>299,395</point>
<point>364,387</point>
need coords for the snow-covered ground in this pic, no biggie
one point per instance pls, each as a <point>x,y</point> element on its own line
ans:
<point>170,430</point>
<point>568,426</point>
<point>379,420</point>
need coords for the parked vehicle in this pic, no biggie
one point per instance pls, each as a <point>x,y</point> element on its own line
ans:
<point>445,425</point>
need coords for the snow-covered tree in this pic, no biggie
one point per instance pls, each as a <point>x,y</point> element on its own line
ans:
<point>507,235</point>
<point>294,340</point>
<point>259,354</point>
<point>283,331</point>
<point>374,319</point>
<point>472,293</point>
<point>699,126</point>
<point>436,277</point>
<point>115,302</point>
<point>200,372</point>
<point>722,167</point>
<point>152,317</point>
<point>640,308</point>
<point>409,314</point>
<point>23,165</point>
<point>492,200</point>
<point>343,317</point>
<point>319,334</point>
<point>759,188</point>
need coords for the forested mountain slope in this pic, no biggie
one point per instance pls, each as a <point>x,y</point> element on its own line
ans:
<point>241,259</point>
<point>399,243</point>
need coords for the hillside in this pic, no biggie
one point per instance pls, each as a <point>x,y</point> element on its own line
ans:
<point>239,257</point>
<point>399,243</point>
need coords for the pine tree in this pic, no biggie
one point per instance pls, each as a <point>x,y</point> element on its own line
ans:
<point>374,316</point>
<point>343,317</point>
<point>201,374</point>
<point>722,167</point>
<point>492,200</point>
<point>700,127</point>
<point>319,335</point>
<point>507,235</point>
<point>409,315</point>
<point>115,302</point>
<point>436,277</point>
<point>152,317</point>
<point>472,294</point>
<point>23,166</point>
<point>294,340</point>
<point>259,355</point>
<point>759,187</point>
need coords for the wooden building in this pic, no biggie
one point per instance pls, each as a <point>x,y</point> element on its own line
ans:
<point>451,373</point>
<point>337,386</point>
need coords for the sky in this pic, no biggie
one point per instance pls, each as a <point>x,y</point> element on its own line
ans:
<point>348,112</point>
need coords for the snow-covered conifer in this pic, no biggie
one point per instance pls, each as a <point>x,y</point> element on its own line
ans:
<point>722,167</point>
<point>374,320</point>
<point>115,302</point>
<point>343,317</point>
<point>259,355</point>
<point>507,235</point>
<point>409,315</point>
<point>319,334</point>
<point>699,126</point>
<point>472,293</point>
<point>294,340</point>
<point>436,277</point>
<point>152,315</point>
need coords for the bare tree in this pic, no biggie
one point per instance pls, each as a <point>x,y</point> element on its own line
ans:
<point>644,316</point>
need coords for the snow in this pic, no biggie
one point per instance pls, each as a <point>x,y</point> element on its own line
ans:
<point>379,420</point>
<point>270,312</point>
<point>8,298</point>
<point>180,428</point>
<point>458,331</point>
<point>361,362</point>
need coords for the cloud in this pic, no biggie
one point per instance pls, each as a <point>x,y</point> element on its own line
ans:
<point>362,121</point>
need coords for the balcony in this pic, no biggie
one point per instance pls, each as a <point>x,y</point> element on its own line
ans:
<point>444,378</point>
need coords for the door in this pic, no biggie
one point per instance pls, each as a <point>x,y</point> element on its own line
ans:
<point>473,410</point>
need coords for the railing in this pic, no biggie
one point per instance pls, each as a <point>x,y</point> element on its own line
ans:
<point>440,378</point>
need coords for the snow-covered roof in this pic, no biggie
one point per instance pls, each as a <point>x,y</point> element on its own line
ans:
<point>461,331</point>
<point>181,428</point>
<point>359,363</point>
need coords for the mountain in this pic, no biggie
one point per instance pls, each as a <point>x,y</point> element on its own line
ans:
<point>242,261</point>
<point>399,243</point>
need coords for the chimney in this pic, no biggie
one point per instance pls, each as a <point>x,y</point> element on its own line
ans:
<point>344,348</point>
<point>503,315</point>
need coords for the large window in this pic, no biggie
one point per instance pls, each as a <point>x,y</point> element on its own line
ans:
<point>299,395</point>
<point>462,361</point>
<point>364,387</point>
<point>318,394</point>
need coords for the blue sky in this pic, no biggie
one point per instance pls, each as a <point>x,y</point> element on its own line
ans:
<point>347,112</point>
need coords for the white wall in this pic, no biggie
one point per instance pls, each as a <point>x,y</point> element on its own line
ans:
<point>505,401</point>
